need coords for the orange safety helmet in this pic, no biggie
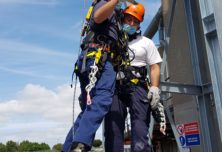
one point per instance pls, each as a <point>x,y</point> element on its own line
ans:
<point>136,10</point>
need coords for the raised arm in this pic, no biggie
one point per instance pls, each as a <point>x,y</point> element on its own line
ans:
<point>105,11</point>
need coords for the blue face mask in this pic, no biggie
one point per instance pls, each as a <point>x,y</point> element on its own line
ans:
<point>129,29</point>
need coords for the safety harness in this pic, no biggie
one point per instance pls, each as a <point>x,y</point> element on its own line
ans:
<point>101,49</point>
<point>128,77</point>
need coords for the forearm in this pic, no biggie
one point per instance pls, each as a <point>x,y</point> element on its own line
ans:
<point>105,11</point>
<point>155,75</point>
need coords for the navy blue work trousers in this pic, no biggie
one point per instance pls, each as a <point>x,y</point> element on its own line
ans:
<point>139,110</point>
<point>89,120</point>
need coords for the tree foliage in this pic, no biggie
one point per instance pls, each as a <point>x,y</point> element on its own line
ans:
<point>57,147</point>
<point>32,146</point>
<point>2,147</point>
<point>11,146</point>
<point>26,145</point>
<point>97,143</point>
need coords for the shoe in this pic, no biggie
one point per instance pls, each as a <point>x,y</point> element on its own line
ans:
<point>79,147</point>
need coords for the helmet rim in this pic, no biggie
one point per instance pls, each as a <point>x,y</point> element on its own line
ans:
<point>136,10</point>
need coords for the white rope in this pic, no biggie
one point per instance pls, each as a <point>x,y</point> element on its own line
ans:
<point>74,89</point>
<point>73,107</point>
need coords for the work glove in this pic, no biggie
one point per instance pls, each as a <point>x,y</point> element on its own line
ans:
<point>159,117</point>
<point>118,6</point>
<point>154,96</point>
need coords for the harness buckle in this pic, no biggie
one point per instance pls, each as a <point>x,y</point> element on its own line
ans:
<point>104,47</point>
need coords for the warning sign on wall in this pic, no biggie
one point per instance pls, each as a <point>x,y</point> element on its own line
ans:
<point>189,134</point>
<point>191,128</point>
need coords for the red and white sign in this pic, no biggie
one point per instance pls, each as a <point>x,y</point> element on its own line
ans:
<point>191,128</point>
<point>189,134</point>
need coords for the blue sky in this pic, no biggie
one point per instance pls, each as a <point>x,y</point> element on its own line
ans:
<point>39,42</point>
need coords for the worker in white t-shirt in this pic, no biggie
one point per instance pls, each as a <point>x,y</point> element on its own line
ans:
<point>131,89</point>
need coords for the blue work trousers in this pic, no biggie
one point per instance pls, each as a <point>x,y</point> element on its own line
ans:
<point>139,110</point>
<point>89,120</point>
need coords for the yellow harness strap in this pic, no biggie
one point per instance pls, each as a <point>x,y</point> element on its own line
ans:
<point>135,81</point>
<point>97,54</point>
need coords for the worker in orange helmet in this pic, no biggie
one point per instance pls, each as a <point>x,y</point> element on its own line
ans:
<point>131,89</point>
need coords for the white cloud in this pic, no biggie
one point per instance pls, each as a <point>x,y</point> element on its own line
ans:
<point>30,2</point>
<point>36,99</point>
<point>39,114</point>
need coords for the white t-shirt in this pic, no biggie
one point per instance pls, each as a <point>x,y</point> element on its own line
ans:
<point>145,52</point>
